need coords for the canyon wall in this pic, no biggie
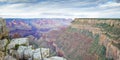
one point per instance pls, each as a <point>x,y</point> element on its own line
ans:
<point>112,52</point>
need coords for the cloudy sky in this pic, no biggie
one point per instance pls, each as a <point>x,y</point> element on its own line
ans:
<point>60,8</point>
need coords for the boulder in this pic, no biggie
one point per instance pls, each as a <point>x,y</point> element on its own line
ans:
<point>40,53</point>
<point>55,58</point>
<point>14,54</point>
<point>29,58</point>
<point>18,41</point>
<point>8,57</point>
<point>28,52</point>
<point>3,44</point>
<point>21,51</point>
<point>1,55</point>
<point>45,52</point>
<point>37,55</point>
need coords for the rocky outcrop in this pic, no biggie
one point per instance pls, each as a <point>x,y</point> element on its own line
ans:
<point>8,57</point>
<point>55,58</point>
<point>1,55</point>
<point>40,53</point>
<point>25,52</point>
<point>28,52</point>
<point>18,41</point>
<point>19,48</point>
<point>3,43</point>
<point>3,29</point>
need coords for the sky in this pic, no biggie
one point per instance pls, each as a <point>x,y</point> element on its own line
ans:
<point>60,8</point>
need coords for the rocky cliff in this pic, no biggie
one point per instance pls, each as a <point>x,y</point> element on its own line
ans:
<point>3,29</point>
<point>3,33</point>
<point>19,49</point>
<point>103,27</point>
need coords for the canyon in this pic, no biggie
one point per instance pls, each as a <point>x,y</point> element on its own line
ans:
<point>78,39</point>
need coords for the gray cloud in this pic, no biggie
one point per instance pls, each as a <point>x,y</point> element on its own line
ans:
<point>18,1</point>
<point>118,1</point>
<point>59,8</point>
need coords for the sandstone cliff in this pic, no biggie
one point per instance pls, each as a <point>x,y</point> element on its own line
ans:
<point>91,24</point>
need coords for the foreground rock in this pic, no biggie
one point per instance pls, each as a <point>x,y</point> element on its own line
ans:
<point>21,51</point>
<point>8,57</point>
<point>1,55</point>
<point>3,43</point>
<point>24,51</point>
<point>27,52</point>
<point>17,42</point>
<point>55,58</point>
<point>40,53</point>
<point>3,29</point>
